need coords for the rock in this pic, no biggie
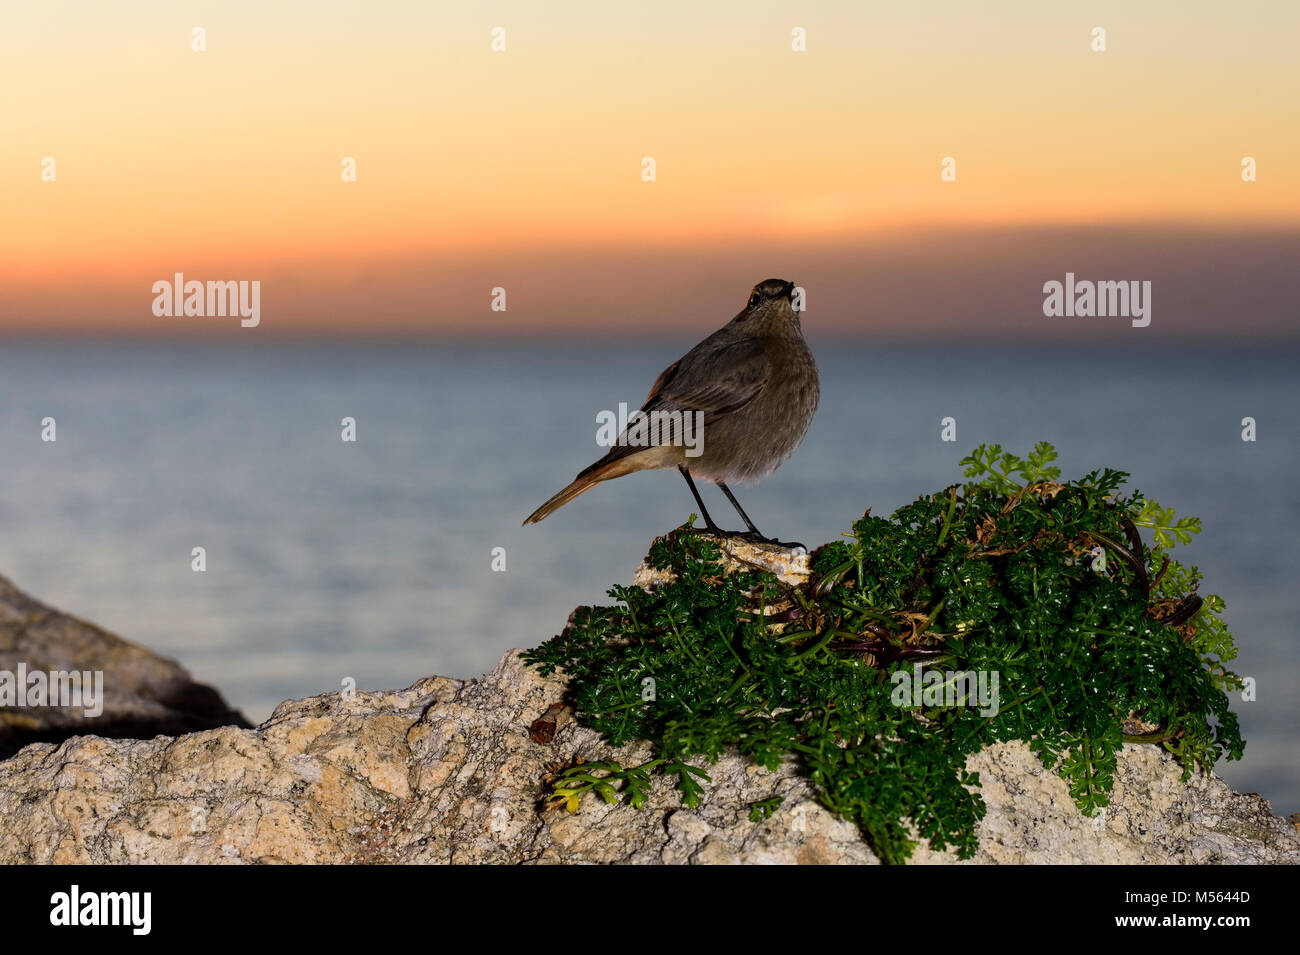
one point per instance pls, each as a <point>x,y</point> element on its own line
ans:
<point>143,693</point>
<point>452,771</point>
<point>790,567</point>
<point>446,771</point>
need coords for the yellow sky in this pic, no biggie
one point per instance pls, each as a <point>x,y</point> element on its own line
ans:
<point>229,160</point>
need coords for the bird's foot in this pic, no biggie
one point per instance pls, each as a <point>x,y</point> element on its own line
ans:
<point>754,537</point>
<point>751,537</point>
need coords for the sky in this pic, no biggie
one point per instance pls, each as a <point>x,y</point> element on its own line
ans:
<point>524,168</point>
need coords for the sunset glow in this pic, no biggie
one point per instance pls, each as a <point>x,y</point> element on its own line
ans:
<point>227,162</point>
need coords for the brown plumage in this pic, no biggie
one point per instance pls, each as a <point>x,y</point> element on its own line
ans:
<point>754,380</point>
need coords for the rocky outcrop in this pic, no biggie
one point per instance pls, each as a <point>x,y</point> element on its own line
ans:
<point>454,771</point>
<point>143,694</point>
<point>447,771</point>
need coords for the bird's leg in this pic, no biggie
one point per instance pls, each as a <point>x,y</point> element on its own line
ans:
<point>708,521</point>
<point>740,510</point>
<point>754,534</point>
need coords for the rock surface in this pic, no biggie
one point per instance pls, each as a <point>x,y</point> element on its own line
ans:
<point>143,694</point>
<point>449,771</point>
<point>790,566</point>
<point>446,771</point>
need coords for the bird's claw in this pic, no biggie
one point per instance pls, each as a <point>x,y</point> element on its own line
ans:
<point>754,537</point>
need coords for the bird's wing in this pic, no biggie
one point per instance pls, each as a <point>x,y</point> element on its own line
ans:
<point>715,380</point>
<point>713,377</point>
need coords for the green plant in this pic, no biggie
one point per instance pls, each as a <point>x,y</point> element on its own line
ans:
<point>1046,584</point>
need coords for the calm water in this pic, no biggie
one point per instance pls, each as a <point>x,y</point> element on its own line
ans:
<point>373,560</point>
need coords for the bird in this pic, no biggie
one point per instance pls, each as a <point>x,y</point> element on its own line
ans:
<point>753,388</point>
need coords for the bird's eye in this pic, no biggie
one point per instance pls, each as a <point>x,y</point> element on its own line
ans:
<point>753,300</point>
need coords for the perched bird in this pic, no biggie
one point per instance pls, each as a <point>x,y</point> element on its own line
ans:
<point>753,383</point>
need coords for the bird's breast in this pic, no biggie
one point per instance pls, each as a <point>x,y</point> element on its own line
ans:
<point>754,440</point>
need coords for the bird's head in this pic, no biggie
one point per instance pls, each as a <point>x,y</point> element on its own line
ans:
<point>772,299</point>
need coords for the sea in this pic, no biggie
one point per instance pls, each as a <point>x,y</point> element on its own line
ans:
<point>400,554</point>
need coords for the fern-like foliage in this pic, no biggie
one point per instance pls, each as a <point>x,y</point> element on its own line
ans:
<point>1046,584</point>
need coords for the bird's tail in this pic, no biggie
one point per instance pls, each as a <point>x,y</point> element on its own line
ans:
<point>602,470</point>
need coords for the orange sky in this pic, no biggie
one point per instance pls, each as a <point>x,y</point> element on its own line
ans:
<point>471,164</point>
